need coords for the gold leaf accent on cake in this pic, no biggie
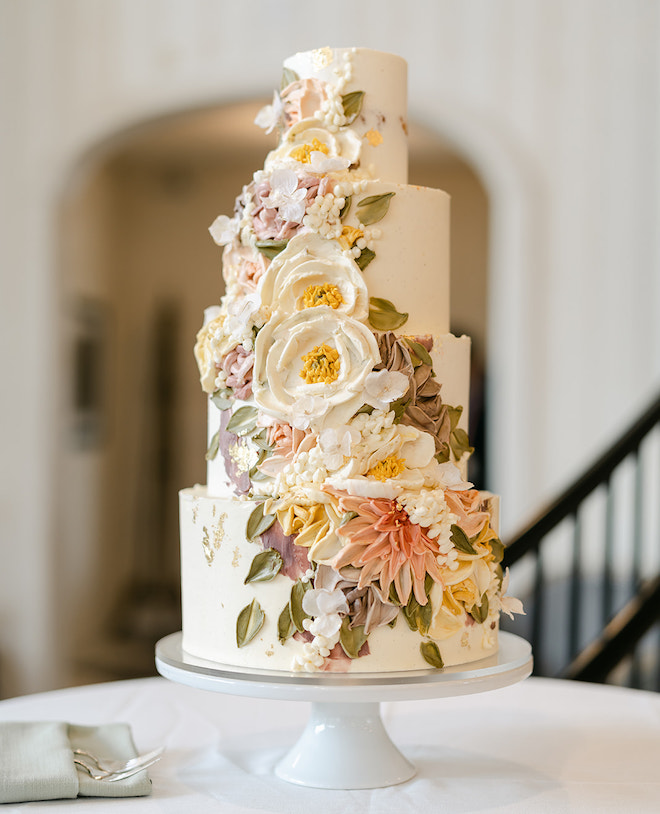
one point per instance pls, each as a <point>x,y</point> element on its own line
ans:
<point>351,638</point>
<point>236,558</point>
<point>195,511</point>
<point>374,137</point>
<point>249,622</point>
<point>352,105</point>
<point>212,540</point>
<point>374,208</point>
<point>383,316</point>
<point>265,566</point>
<point>431,654</point>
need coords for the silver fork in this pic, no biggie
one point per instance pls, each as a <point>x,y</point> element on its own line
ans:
<point>122,770</point>
<point>118,766</point>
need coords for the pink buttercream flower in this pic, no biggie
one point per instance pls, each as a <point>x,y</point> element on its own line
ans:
<point>387,546</point>
<point>247,264</point>
<point>268,221</point>
<point>302,100</point>
<point>286,441</point>
<point>238,365</point>
<point>466,505</point>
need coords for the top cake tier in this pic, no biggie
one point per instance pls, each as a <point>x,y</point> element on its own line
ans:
<point>324,90</point>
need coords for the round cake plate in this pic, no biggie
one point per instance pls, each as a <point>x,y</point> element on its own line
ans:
<point>345,745</point>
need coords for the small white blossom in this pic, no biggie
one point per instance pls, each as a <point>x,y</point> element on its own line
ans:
<point>383,387</point>
<point>285,195</point>
<point>510,604</point>
<point>223,229</point>
<point>336,443</point>
<point>270,115</point>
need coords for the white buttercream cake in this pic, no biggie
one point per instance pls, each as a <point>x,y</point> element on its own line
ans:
<point>337,530</point>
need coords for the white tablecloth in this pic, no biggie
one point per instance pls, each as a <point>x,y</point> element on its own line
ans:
<point>535,747</point>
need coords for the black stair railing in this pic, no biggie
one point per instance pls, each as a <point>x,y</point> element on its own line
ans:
<point>597,614</point>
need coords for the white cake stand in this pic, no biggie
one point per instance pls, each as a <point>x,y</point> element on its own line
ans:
<point>345,745</point>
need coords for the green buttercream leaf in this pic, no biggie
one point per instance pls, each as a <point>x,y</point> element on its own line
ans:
<point>288,76</point>
<point>243,421</point>
<point>347,516</point>
<point>454,416</point>
<point>431,654</point>
<point>460,443</point>
<point>265,566</point>
<point>260,440</point>
<point>460,539</point>
<point>480,613</point>
<point>298,615</point>
<point>399,407</point>
<point>442,456</point>
<point>214,446</point>
<point>258,523</point>
<point>366,256</point>
<point>346,208</point>
<point>374,208</point>
<point>351,639</point>
<point>393,596</point>
<point>419,617</point>
<point>249,623</point>
<point>352,104</point>
<point>223,398</point>
<point>497,548</point>
<point>422,356</point>
<point>383,316</point>
<point>271,248</point>
<point>285,626</point>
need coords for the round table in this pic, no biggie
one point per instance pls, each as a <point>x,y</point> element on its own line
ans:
<point>539,746</point>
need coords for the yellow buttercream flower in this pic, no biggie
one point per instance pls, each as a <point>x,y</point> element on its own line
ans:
<point>321,364</point>
<point>349,236</point>
<point>314,526</point>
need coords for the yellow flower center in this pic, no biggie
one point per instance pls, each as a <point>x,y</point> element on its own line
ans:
<point>303,152</point>
<point>321,364</point>
<point>349,236</point>
<point>390,467</point>
<point>326,294</point>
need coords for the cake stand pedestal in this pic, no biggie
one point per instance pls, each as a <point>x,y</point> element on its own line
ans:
<point>345,745</point>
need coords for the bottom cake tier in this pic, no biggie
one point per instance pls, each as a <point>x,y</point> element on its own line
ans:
<point>243,603</point>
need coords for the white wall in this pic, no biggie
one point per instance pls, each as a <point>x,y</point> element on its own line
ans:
<point>556,103</point>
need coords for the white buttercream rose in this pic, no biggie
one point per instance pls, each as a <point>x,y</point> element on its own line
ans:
<point>318,150</point>
<point>313,365</point>
<point>311,272</point>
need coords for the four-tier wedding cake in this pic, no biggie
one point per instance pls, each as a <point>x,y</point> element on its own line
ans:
<point>337,530</point>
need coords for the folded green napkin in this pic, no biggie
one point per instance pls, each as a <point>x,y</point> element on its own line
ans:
<point>36,761</point>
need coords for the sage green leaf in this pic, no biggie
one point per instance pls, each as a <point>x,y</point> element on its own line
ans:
<point>257,475</point>
<point>243,421</point>
<point>214,446</point>
<point>497,547</point>
<point>460,540</point>
<point>347,516</point>
<point>366,256</point>
<point>374,208</point>
<point>480,613</point>
<point>298,615</point>
<point>346,208</point>
<point>351,639</point>
<point>249,623</point>
<point>454,416</point>
<point>419,617</point>
<point>285,626</point>
<point>422,356</point>
<point>352,104</point>
<point>431,654</point>
<point>442,456</point>
<point>223,398</point>
<point>460,443</point>
<point>393,595</point>
<point>271,248</point>
<point>258,522</point>
<point>261,440</point>
<point>288,76</point>
<point>265,566</point>
<point>399,407</point>
<point>383,316</point>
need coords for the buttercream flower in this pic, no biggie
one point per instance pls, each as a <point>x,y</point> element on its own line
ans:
<point>224,229</point>
<point>313,523</point>
<point>316,149</point>
<point>270,208</point>
<point>285,441</point>
<point>382,387</point>
<point>387,547</point>
<point>270,115</point>
<point>509,604</point>
<point>313,364</point>
<point>242,267</point>
<point>396,459</point>
<point>303,100</point>
<point>367,606</point>
<point>466,505</point>
<point>335,444</point>
<point>237,366</point>
<point>311,272</point>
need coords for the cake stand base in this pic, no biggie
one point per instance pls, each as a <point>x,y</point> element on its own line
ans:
<point>345,745</point>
